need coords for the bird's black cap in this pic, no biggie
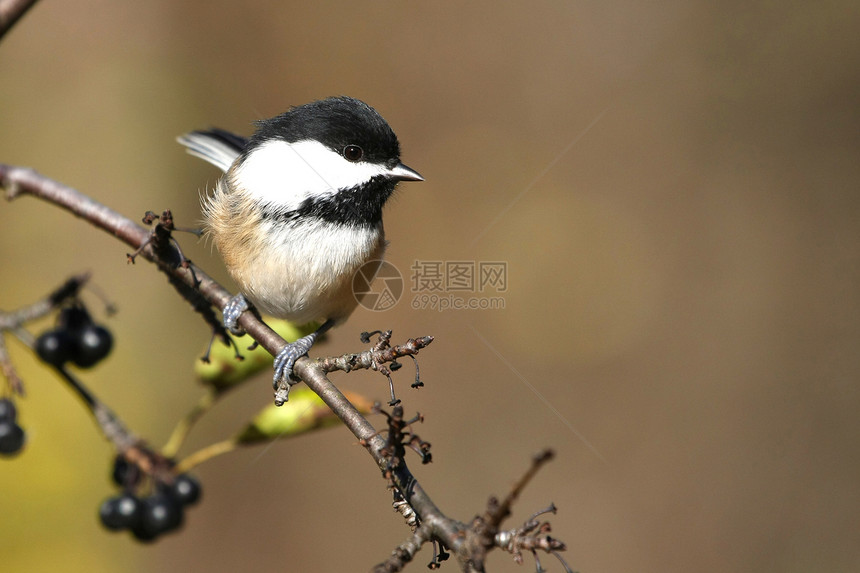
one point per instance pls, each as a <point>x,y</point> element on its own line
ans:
<point>336,122</point>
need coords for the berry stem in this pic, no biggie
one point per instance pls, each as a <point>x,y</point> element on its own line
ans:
<point>205,454</point>
<point>78,388</point>
<point>183,427</point>
<point>110,425</point>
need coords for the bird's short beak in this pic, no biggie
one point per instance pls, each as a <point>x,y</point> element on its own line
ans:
<point>403,173</point>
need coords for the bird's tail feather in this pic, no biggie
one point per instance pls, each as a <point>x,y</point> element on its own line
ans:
<point>217,146</point>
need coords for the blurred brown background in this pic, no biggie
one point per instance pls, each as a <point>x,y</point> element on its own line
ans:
<point>673,187</point>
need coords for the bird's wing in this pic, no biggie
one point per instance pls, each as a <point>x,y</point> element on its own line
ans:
<point>218,147</point>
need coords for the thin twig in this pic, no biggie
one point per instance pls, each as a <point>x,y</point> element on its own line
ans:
<point>13,321</point>
<point>123,440</point>
<point>368,358</point>
<point>43,307</point>
<point>8,370</point>
<point>503,509</point>
<point>444,528</point>
<point>405,552</point>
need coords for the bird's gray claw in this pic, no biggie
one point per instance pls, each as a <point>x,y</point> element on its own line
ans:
<point>284,362</point>
<point>231,313</point>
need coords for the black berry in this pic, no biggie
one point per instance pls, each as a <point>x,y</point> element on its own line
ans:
<point>142,534</point>
<point>11,438</point>
<point>125,474</point>
<point>160,514</point>
<point>185,489</point>
<point>74,318</point>
<point>120,512</point>
<point>94,342</point>
<point>56,347</point>
<point>8,412</point>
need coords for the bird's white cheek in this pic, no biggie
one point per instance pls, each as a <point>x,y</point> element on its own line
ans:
<point>284,174</point>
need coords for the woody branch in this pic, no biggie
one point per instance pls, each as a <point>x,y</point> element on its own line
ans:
<point>23,181</point>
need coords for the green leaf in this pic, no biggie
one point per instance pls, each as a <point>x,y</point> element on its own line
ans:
<point>305,412</point>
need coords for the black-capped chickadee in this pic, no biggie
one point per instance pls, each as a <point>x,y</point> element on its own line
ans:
<point>299,210</point>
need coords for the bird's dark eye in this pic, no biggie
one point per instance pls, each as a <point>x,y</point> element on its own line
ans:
<point>353,153</point>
